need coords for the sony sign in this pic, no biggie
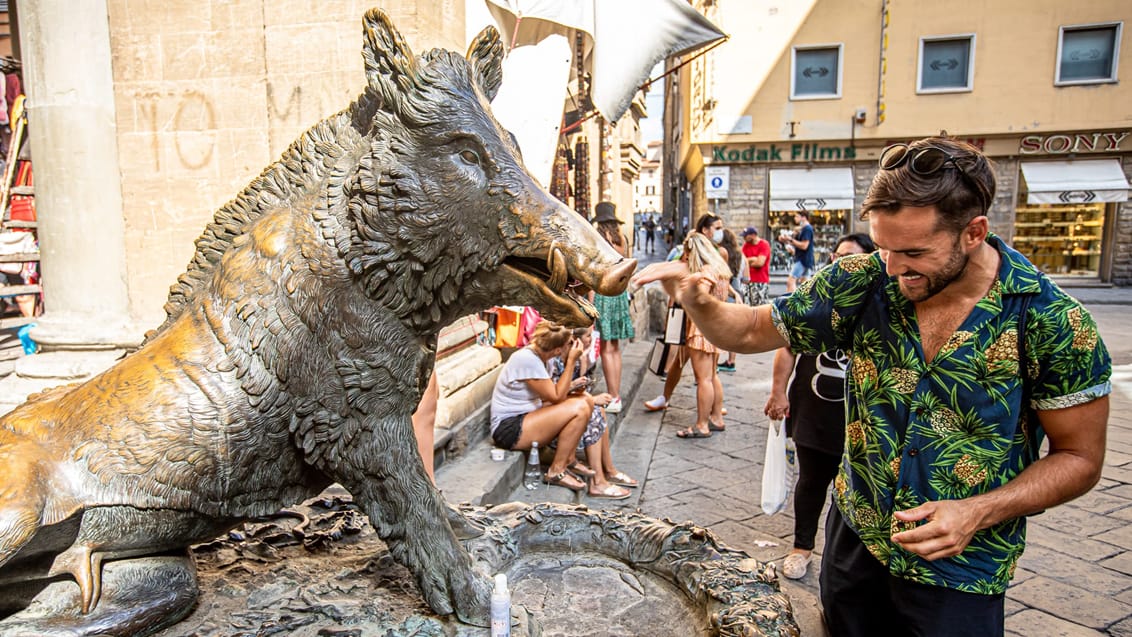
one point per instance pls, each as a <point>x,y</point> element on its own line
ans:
<point>1076,143</point>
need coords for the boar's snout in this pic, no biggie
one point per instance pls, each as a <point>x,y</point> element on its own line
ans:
<point>616,279</point>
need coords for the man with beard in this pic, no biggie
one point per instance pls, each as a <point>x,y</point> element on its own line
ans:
<point>963,356</point>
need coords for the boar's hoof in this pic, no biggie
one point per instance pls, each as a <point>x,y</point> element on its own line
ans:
<point>140,596</point>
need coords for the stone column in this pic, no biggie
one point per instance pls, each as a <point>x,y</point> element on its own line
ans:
<point>71,129</point>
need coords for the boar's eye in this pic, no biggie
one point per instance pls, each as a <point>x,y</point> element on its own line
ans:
<point>470,157</point>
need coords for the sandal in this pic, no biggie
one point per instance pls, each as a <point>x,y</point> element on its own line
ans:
<point>714,427</point>
<point>692,432</point>
<point>621,480</point>
<point>564,479</point>
<point>610,492</point>
<point>581,470</point>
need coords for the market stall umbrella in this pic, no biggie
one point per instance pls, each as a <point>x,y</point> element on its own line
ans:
<point>622,41</point>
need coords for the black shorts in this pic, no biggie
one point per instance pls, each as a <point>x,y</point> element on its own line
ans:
<point>507,433</point>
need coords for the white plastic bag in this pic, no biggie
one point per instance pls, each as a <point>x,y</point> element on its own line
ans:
<point>779,468</point>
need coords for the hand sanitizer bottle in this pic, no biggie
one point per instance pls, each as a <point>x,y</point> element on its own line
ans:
<point>500,608</point>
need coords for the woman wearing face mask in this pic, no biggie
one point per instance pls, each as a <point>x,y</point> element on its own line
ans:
<point>711,227</point>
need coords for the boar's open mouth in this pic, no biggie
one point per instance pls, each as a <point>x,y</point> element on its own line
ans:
<point>551,276</point>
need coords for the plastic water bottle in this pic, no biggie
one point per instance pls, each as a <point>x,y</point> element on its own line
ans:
<point>533,474</point>
<point>500,608</point>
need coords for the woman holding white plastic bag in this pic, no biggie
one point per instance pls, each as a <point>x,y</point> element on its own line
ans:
<point>813,407</point>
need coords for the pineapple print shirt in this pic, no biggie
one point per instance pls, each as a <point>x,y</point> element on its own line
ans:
<point>951,429</point>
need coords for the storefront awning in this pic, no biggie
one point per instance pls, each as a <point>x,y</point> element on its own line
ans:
<point>1081,181</point>
<point>813,189</point>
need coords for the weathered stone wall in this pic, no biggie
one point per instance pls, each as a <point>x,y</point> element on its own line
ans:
<point>1122,239</point>
<point>209,93</point>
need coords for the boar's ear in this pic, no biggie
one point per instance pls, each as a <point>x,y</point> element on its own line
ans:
<point>486,57</point>
<point>391,68</point>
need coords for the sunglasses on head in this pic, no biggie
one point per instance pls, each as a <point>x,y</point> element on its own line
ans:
<point>928,160</point>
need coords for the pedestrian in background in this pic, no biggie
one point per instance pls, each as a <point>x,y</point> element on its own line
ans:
<point>730,247</point>
<point>650,234</point>
<point>613,321</point>
<point>808,391</point>
<point>756,251</point>
<point>964,356</point>
<point>802,245</point>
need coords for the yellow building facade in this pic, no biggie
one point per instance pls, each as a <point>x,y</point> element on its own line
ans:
<point>793,111</point>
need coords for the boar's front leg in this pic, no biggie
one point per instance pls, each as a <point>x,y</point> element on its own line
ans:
<point>382,469</point>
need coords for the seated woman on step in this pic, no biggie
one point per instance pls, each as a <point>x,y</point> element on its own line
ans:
<point>605,479</point>
<point>527,406</point>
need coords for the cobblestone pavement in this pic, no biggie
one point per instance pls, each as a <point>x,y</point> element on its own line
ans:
<point>1075,578</point>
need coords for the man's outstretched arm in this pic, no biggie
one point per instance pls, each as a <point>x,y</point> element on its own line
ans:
<point>731,326</point>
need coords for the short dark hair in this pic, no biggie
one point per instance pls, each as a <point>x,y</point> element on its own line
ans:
<point>957,200</point>
<point>803,213</point>
<point>860,238</point>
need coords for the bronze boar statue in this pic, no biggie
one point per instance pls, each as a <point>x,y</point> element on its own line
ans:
<point>295,349</point>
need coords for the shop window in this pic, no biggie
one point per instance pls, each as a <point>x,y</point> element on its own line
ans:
<point>817,72</point>
<point>828,225</point>
<point>1087,54</point>
<point>1061,239</point>
<point>946,64</point>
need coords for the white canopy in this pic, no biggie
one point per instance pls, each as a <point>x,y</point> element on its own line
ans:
<point>625,38</point>
<point>622,42</point>
<point>811,189</point>
<point>1079,181</point>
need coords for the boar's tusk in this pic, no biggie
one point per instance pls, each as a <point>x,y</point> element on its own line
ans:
<point>556,265</point>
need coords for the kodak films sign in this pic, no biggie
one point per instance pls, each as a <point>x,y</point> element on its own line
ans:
<point>755,154</point>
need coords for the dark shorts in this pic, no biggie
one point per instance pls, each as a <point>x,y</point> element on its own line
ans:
<point>861,598</point>
<point>507,433</point>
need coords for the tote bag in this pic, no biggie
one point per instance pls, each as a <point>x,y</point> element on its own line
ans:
<point>779,468</point>
<point>658,358</point>
<point>676,329</point>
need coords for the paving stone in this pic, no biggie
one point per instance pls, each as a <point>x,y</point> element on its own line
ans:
<point>668,464</point>
<point>745,492</point>
<point>699,512</point>
<point>729,508</point>
<point>1100,502</point>
<point>779,524</point>
<point>1121,628</point>
<point>1120,536</point>
<point>1070,603</point>
<point>667,486</point>
<point>1120,474</point>
<point>1122,563</point>
<point>1119,489</point>
<point>1073,571</point>
<point>715,478</point>
<point>1084,548</point>
<point>1011,607</point>
<point>1117,458</point>
<point>1035,622</point>
<point>1076,521</point>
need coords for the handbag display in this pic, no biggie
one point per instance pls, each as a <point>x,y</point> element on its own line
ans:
<point>779,468</point>
<point>676,329</point>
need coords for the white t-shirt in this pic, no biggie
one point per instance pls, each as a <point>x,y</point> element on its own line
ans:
<point>511,395</point>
